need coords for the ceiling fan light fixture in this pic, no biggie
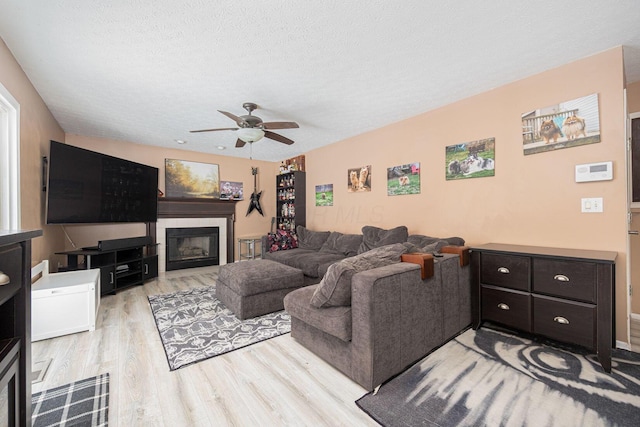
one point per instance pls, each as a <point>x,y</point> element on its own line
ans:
<point>250,134</point>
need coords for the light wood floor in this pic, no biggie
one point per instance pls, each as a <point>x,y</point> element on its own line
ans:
<point>273,383</point>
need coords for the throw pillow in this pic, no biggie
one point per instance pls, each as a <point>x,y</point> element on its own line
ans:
<point>282,240</point>
<point>308,239</point>
<point>374,237</point>
<point>344,244</point>
<point>334,289</point>
<point>420,240</point>
<point>431,248</point>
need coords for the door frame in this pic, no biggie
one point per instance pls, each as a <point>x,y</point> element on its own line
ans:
<point>631,207</point>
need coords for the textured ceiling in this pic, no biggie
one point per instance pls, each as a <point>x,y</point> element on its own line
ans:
<point>148,71</point>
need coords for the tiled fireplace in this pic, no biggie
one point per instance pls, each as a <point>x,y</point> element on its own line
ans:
<point>191,225</point>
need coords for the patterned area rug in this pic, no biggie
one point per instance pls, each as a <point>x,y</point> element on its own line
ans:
<point>81,403</point>
<point>491,378</point>
<point>195,326</point>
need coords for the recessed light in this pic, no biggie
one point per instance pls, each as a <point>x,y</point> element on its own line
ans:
<point>181,141</point>
<point>221,147</point>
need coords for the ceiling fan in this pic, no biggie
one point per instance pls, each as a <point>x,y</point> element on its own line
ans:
<point>251,128</point>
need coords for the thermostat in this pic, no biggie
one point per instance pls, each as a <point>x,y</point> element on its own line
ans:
<point>602,171</point>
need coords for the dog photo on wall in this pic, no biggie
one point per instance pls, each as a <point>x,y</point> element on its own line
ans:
<point>359,179</point>
<point>473,159</point>
<point>403,179</point>
<point>564,125</point>
<point>324,195</point>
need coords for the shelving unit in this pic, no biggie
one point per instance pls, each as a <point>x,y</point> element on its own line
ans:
<point>119,268</point>
<point>15,326</point>
<point>290,200</point>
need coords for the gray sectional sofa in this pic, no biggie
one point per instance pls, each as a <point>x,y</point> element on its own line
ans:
<point>368,314</point>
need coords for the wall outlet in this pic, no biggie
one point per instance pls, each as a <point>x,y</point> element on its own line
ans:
<point>592,204</point>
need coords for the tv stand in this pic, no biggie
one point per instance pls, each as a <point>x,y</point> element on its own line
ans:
<point>123,263</point>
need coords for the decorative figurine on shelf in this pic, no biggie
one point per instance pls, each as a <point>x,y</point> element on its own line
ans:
<point>254,203</point>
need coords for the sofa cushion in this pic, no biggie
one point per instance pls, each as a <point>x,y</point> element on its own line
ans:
<point>309,261</point>
<point>431,248</point>
<point>335,287</point>
<point>334,321</point>
<point>344,244</point>
<point>282,240</point>
<point>420,240</point>
<point>374,237</point>
<point>313,240</point>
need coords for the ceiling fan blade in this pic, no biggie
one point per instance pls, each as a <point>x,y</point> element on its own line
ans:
<point>211,130</point>
<point>280,125</point>
<point>239,120</point>
<point>277,137</point>
<point>240,143</point>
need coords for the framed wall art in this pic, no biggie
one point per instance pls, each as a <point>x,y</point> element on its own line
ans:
<point>564,125</point>
<point>473,159</point>
<point>191,179</point>
<point>324,195</point>
<point>230,190</point>
<point>403,179</point>
<point>359,179</point>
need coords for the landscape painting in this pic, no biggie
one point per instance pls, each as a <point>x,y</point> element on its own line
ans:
<point>324,195</point>
<point>473,159</point>
<point>403,179</point>
<point>359,179</point>
<point>191,179</point>
<point>564,125</point>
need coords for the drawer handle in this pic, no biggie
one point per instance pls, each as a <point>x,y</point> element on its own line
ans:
<point>4,279</point>
<point>561,278</point>
<point>561,320</point>
<point>503,306</point>
<point>503,270</point>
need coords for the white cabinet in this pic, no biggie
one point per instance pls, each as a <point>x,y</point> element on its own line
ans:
<point>64,303</point>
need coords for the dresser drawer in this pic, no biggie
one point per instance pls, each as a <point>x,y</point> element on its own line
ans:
<point>510,308</point>
<point>565,321</point>
<point>569,279</point>
<point>511,271</point>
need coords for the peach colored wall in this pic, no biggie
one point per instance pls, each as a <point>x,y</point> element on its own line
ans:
<point>37,127</point>
<point>633,97</point>
<point>230,168</point>
<point>532,199</point>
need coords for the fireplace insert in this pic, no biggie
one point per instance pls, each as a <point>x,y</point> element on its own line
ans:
<point>192,247</point>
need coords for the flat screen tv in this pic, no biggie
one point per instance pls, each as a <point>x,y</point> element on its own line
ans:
<point>85,187</point>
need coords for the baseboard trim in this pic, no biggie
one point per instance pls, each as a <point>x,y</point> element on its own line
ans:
<point>623,345</point>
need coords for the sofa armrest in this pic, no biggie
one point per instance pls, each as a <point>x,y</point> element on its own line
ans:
<point>384,315</point>
<point>461,251</point>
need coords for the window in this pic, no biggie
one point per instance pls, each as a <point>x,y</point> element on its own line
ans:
<point>9,161</point>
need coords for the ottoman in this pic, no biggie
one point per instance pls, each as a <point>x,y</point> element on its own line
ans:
<point>256,287</point>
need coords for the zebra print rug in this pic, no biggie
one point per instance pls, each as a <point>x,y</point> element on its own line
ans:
<point>194,325</point>
<point>490,378</point>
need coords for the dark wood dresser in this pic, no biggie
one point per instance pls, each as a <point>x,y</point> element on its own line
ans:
<point>563,294</point>
<point>15,325</point>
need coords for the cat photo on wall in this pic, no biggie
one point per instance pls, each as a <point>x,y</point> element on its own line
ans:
<point>359,179</point>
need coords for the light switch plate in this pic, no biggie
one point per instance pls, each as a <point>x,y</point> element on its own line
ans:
<point>592,205</point>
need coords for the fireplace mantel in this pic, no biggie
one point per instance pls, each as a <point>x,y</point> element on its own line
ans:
<point>195,208</point>
<point>170,207</point>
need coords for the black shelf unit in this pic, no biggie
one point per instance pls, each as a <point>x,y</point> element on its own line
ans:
<point>291,200</point>
<point>15,326</point>
<point>119,268</point>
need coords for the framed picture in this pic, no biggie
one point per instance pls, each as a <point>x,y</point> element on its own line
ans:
<point>359,179</point>
<point>473,159</point>
<point>191,179</point>
<point>230,190</point>
<point>564,125</point>
<point>324,195</point>
<point>403,179</point>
